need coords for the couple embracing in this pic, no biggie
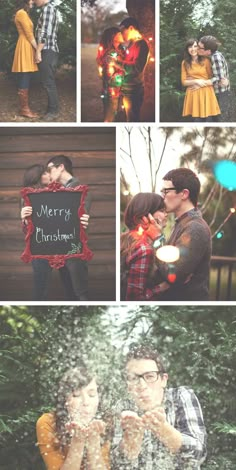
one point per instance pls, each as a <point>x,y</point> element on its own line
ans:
<point>39,52</point>
<point>143,276</point>
<point>204,72</point>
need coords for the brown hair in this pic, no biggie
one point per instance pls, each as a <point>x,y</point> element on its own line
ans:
<point>183,178</point>
<point>187,57</point>
<point>22,4</point>
<point>32,176</point>
<point>210,43</point>
<point>138,351</point>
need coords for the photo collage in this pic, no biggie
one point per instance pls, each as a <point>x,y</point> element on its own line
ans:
<point>117,235</point>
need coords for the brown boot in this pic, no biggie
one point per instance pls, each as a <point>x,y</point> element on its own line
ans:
<point>24,104</point>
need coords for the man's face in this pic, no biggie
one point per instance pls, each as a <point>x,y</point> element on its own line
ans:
<point>172,199</point>
<point>127,33</point>
<point>39,3</point>
<point>201,50</point>
<point>55,171</point>
<point>147,395</point>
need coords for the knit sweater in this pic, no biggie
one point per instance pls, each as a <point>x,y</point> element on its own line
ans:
<point>192,236</point>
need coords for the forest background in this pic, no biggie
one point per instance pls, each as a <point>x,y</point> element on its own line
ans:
<point>38,343</point>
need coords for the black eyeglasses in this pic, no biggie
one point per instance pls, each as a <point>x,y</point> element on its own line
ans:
<point>148,377</point>
<point>164,191</point>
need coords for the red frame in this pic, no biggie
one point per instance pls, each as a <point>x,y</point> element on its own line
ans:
<point>56,261</point>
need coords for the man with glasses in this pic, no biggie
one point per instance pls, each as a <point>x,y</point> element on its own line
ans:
<point>75,276</point>
<point>208,47</point>
<point>156,428</point>
<point>190,234</point>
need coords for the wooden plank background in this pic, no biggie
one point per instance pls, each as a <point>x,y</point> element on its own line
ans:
<point>92,151</point>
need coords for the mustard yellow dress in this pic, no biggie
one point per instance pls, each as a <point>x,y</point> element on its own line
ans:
<point>49,446</point>
<point>24,53</point>
<point>201,102</point>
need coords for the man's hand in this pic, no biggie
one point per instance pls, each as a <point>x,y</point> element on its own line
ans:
<point>84,219</point>
<point>224,82</point>
<point>26,212</point>
<point>155,420</point>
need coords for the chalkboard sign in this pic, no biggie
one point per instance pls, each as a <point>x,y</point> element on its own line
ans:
<point>54,231</point>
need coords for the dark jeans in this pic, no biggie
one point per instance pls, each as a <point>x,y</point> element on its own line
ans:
<point>23,80</point>
<point>42,271</point>
<point>75,279</point>
<point>47,70</point>
<point>132,102</point>
<point>224,100</point>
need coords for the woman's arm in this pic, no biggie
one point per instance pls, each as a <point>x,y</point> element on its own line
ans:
<point>93,445</point>
<point>194,83</point>
<point>26,25</point>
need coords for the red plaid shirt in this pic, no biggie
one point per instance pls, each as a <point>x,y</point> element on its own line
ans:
<point>138,266</point>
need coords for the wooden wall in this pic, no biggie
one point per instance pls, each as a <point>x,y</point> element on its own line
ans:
<point>92,151</point>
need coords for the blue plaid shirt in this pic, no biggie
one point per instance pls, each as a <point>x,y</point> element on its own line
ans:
<point>184,413</point>
<point>47,27</point>
<point>219,70</point>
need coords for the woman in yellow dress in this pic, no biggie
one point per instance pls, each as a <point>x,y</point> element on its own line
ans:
<point>72,437</point>
<point>200,100</point>
<point>24,58</point>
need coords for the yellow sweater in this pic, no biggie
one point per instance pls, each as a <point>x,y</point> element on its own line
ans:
<point>49,446</point>
<point>24,53</point>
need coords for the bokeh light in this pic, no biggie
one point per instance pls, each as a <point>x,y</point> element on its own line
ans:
<point>168,253</point>
<point>225,174</point>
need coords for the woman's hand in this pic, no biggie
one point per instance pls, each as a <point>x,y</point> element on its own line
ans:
<point>26,212</point>
<point>95,429</point>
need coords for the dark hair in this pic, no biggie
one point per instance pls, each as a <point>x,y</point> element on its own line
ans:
<point>210,43</point>
<point>72,380</point>
<point>187,57</point>
<point>138,351</point>
<point>183,178</point>
<point>62,160</point>
<point>127,22</point>
<point>32,176</point>
<point>107,37</point>
<point>22,4</point>
<point>141,205</point>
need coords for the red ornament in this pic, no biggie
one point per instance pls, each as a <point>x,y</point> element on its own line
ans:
<point>171,277</point>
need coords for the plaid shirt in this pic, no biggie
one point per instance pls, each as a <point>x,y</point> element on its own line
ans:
<point>138,268</point>
<point>220,70</point>
<point>47,27</point>
<point>184,413</point>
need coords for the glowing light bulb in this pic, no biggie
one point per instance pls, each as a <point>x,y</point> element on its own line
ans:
<point>219,235</point>
<point>140,230</point>
<point>232,210</point>
<point>171,277</point>
<point>168,253</point>
<point>110,70</point>
<point>151,38</point>
<point>126,192</point>
<point>102,96</point>
<point>100,48</point>
<point>100,70</point>
<point>127,51</point>
<point>152,59</point>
